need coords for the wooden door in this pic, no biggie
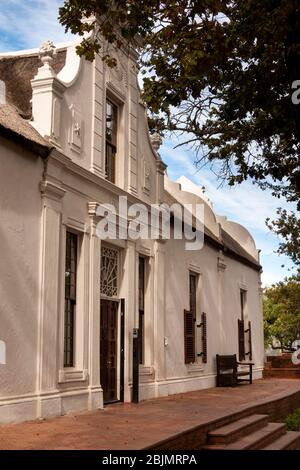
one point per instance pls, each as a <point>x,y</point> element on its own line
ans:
<point>108,350</point>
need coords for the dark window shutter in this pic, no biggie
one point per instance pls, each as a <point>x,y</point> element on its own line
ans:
<point>250,341</point>
<point>189,337</point>
<point>204,338</point>
<point>241,335</point>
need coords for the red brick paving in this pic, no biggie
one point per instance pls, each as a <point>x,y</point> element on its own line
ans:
<point>129,426</point>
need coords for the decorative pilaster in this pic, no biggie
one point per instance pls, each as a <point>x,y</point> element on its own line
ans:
<point>130,267</point>
<point>156,142</point>
<point>96,392</point>
<point>99,118</point>
<point>159,310</point>
<point>149,324</point>
<point>47,93</point>
<point>222,266</point>
<point>48,339</point>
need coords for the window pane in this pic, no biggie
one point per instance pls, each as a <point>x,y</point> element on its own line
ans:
<point>111,140</point>
<point>193,293</point>
<point>243,303</point>
<point>70,298</point>
<point>111,122</point>
<point>110,162</point>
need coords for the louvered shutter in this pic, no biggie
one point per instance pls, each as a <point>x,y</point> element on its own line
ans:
<point>241,336</point>
<point>250,341</point>
<point>204,338</point>
<point>189,337</point>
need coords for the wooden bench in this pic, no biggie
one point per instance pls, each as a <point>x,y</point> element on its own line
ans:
<point>229,374</point>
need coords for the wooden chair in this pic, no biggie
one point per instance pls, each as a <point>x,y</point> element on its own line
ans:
<point>228,373</point>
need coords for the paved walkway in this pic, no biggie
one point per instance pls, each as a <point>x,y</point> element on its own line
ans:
<point>129,426</point>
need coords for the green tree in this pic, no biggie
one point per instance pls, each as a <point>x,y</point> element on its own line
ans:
<point>287,227</point>
<point>282,313</point>
<point>218,71</point>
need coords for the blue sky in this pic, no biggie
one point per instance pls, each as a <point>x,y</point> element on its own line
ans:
<point>26,24</point>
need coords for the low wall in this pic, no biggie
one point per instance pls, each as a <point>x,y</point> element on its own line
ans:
<point>195,438</point>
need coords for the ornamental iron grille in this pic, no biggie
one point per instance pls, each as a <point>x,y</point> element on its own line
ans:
<point>109,272</point>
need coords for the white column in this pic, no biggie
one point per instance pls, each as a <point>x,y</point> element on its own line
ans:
<point>47,95</point>
<point>221,303</point>
<point>48,341</point>
<point>149,314</point>
<point>159,316</point>
<point>130,314</point>
<point>99,119</point>
<point>96,392</point>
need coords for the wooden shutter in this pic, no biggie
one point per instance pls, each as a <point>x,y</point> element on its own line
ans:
<point>204,338</point>
<point>189,337</point>
<point>250,341</point>
<point>241,336</point>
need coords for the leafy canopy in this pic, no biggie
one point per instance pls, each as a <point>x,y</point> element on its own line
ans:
<point>282,313</point>
<point>219,71</point>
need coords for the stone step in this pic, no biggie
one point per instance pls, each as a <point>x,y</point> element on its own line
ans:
<point>231,432</point>
<point>289,441</point>
<point>254,441</point>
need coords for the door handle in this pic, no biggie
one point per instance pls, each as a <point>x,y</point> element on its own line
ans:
<point>108,363</point>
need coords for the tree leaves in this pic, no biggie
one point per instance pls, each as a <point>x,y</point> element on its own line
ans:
<point>282,312</point>
<point>219,70</point>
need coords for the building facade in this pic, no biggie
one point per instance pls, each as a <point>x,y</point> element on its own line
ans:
<point>74,136</point>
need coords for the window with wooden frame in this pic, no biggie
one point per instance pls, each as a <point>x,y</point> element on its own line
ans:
<point>70,298</point>
<point>190,318</point>
<point>142,273</point>
<point>111,140</point>
<point>244,329</point>
<point>243,297</point>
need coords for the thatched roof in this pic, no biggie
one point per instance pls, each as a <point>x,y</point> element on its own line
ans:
<point>17,71</point>
<point>17,129</point>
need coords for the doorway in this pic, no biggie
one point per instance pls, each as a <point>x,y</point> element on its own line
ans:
<point>109,350</point>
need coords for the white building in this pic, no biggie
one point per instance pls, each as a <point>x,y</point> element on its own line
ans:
<point>73,135</point>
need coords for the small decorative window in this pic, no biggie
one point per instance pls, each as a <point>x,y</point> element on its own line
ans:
<point>109,272</point>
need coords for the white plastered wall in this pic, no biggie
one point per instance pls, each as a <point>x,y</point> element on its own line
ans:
<point>20,208</point>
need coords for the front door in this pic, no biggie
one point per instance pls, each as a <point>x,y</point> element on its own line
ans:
<point>109,350</point>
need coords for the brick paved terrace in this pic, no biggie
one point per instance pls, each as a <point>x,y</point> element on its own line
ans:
<point>165,423</point>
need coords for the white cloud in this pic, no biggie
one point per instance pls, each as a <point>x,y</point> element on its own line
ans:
<point>270,277</point>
